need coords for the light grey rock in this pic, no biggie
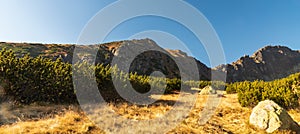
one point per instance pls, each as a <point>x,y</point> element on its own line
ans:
<point>208,90</point>
<point>269,116</point>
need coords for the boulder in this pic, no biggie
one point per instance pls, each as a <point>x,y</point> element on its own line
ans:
<point>208,90</point>
<point>269,116</point>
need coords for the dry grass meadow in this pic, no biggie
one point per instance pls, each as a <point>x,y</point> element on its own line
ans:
<point>229,117</point>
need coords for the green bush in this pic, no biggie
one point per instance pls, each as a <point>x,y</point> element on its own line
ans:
<point>30,80</point>
<point>283,91</point>
<point>39,79</point>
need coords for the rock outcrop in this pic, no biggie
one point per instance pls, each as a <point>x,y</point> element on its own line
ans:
<point>173,63</point>
<point>269,116</point>
<point>268,63</point>
<point>208,90</point>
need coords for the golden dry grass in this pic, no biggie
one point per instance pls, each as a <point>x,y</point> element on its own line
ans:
<point>70,122</point>
<point>229,117</point>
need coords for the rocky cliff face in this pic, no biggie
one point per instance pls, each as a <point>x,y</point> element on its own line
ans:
<point>145,56</point>
<point>185,60</point>
<point>268,63</point>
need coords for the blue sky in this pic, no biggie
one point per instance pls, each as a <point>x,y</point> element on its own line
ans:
<point>243,26</point>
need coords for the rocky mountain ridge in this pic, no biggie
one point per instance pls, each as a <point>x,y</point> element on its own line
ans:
<point>144,63</point>
<point>268,63</point>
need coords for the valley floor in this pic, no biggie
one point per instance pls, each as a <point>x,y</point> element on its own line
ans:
<point>229,117</point>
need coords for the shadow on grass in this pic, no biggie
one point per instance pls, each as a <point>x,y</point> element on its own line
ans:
<point>114,98</point>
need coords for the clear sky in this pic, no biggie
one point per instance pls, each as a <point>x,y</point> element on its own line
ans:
<point>243,26</point>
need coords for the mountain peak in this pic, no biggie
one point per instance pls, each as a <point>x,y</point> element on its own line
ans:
<point>269,51</point>
<point>177,53</point>
<point>267,63</point>
<point>270,48</point>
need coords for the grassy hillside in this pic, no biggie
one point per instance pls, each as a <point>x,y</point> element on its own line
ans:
<point>35,50</point>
